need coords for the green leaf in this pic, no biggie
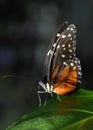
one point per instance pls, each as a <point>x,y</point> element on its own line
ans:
<point>75,112</point>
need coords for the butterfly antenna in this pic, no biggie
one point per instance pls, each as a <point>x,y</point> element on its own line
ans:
<point>6,76</point>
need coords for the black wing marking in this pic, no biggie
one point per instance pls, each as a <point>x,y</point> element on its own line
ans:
<point>62,49</point>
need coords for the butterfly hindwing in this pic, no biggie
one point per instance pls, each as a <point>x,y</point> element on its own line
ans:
<point>68,78</point>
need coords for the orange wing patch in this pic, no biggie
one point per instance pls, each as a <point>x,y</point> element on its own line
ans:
<point>55,72</point>
<point>63,74</point>
<point>66,81</point>
<point>72,77</point>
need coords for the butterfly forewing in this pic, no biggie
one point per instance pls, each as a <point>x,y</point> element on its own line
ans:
<point>50,52</point>
<point>62,50</point>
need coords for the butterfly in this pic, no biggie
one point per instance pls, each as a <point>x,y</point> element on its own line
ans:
<point>62,70</point>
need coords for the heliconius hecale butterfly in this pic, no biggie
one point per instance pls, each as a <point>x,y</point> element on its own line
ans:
<point>62,72</point>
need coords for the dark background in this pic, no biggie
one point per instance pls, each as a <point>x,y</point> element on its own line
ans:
<point>26,28</point>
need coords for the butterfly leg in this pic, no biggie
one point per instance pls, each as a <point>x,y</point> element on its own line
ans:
<point>58,97</point>
<point>45,102</point>
<point>39,98</point>
<point>51,94</point>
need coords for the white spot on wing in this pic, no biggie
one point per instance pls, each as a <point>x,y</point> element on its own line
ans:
<point>73,41</point>
<point>68,28</point>
<point>76,61</point>
<point>58,35</point>
<point>48,52</point>
<point>71,38</point>
<point>70,50</point>
<point>63,45</point>
<point>63,36</point>
<point>72,64</point>
<point>71,29</point>
<point>69,35</point>
<point>69,45</point>
<point>64,49</point>
<point>79,73</point>
<point>70,56</point>
<point>79,81</point>
<point>58,46</point>
<point>51,52</point>
<point>63,56</point>
<point>79,68</point>
<point>64,63</point>
<point>74,48</point>
<point>54,44</point>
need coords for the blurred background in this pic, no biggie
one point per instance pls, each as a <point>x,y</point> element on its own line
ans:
<point>26,28</point>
